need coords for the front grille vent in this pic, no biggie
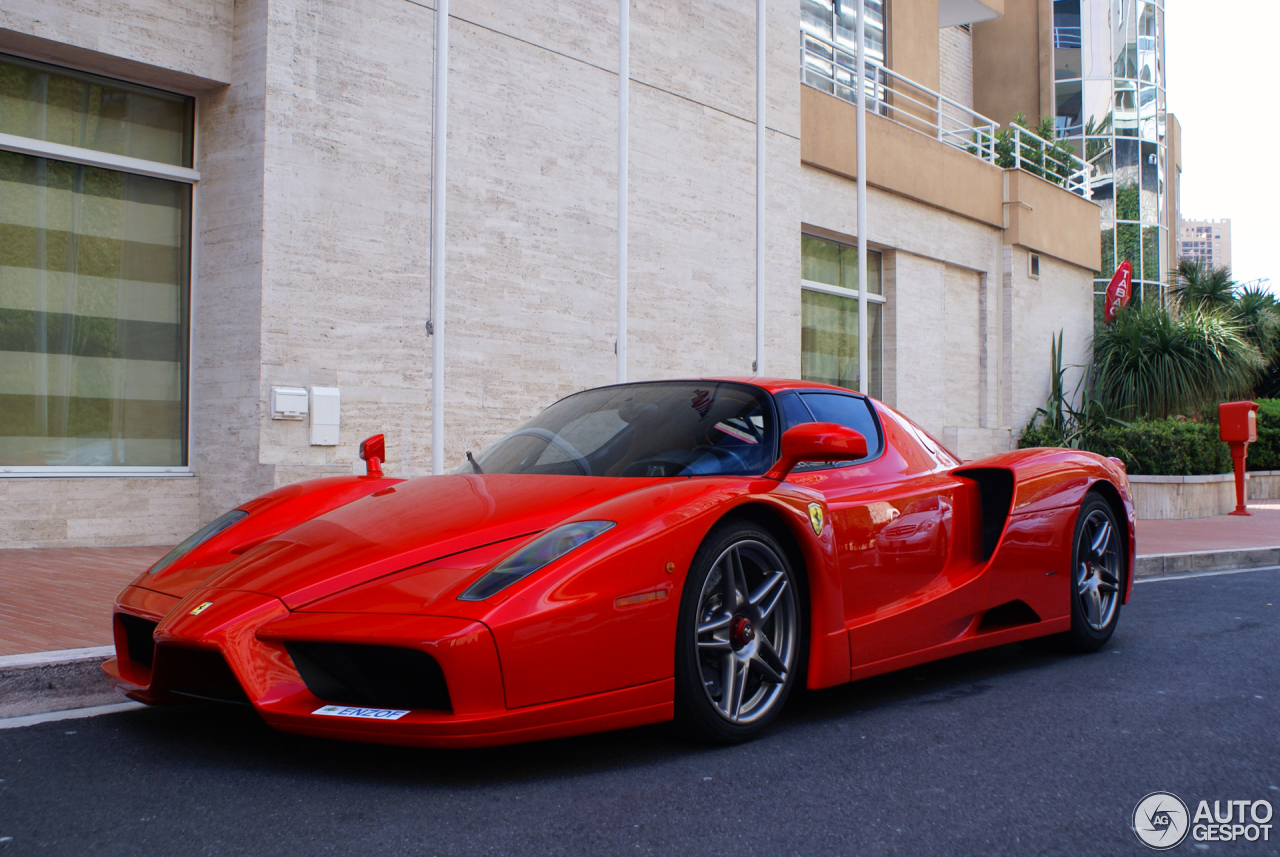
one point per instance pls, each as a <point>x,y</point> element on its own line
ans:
<point>371,676</point>
<point>198,673</point>
<point>141,646</point>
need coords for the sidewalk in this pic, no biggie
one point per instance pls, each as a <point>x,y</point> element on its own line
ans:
<point>60,598</point>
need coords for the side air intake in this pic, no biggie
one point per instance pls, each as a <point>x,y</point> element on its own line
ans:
<point>371,676</point>
<point>995,486</point>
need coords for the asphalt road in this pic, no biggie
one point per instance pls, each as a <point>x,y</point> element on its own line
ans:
<point>1010,751</point>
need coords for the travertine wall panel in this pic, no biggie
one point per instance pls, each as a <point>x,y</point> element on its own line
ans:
<point>961,367</point>
<point>583,30</point>
<point>1061,300</point>
<point>955,57</point>
<point>692,243</point>
<point>532,234</point>
<point>922,392</point>
<point>782,257</point>
<point>97,512</point>
<point>346,214</point>
<point>227,297</point>
<point>177,39</point>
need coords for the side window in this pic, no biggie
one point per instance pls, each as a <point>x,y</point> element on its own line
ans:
<point>851,411</point>
<point>793,411</point>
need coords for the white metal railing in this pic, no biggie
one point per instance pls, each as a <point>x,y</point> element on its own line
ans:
<point>831,68</point>
<point>1051,161</point>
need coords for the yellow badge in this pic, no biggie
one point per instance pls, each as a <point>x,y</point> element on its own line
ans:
<point>815,518</point>
<point>206,605</point>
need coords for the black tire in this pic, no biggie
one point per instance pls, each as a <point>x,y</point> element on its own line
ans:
<point>1098,575</point>
<point>760,638</point>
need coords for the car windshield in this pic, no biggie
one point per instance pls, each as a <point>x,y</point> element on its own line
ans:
<point>670,428</point>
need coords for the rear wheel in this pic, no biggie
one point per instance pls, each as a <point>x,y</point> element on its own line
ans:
<point>740,635</point>
<point>1097,575</point>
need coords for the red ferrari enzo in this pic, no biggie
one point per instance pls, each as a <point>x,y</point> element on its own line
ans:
<point>633,554</point>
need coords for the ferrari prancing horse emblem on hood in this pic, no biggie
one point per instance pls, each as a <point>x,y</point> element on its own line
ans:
<point>815,518</point>
<point>203,607</point>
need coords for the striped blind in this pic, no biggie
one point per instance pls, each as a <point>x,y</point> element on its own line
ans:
<point>94,275</point>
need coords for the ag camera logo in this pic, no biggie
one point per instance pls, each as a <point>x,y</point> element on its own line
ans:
<point>1160,821</point>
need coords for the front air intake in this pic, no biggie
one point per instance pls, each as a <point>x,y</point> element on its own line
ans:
<point>197,673</point>
<point>371,676</point>
<point>139,644</point>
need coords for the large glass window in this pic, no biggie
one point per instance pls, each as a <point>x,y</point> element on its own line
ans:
<point>94,271</point>
<point>829,314</point>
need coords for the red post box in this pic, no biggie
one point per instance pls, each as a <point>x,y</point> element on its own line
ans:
<point>1238,426</point>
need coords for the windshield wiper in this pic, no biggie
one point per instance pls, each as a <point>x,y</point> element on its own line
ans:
<point>474,466</point>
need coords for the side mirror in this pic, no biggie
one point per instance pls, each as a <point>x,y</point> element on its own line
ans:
<point>817,442</point>
<point>373,451</point>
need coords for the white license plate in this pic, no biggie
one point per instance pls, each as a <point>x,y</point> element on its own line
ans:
<point>360,713</point>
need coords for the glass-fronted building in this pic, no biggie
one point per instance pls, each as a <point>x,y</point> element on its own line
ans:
<point>1109,84</point>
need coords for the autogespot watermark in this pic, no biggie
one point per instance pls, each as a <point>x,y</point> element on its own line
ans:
<point>1162,821</point>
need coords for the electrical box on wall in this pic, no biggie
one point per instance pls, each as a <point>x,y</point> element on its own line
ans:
<point>288,403</point>
<point>326,411</point>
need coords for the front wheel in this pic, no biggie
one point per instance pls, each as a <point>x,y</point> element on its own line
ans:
<point>740,635</point>
<point>1097,575</point>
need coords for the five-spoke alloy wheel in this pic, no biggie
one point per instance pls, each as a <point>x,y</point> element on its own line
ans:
<point>739,642</point>
<point>1098,575</point>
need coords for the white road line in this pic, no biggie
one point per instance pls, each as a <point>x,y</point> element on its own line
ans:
<point>73,714</point>
<point>1205,574</point>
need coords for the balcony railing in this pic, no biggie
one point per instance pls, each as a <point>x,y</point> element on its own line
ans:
<point>1025,150</point>
<point>832,69</point>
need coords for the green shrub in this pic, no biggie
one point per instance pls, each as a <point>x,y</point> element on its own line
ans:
<point>1265,454</point>
<point>1168,447</point>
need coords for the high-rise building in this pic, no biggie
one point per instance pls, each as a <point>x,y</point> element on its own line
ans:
<point>1208,241</point>
<point>1102,79</point>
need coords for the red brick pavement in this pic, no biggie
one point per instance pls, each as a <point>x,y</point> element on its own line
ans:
<point>60,598</point>
<point>1223,532</point>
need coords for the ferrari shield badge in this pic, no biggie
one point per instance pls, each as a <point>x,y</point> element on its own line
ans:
<point>815,518</point>
<point>206,605</point>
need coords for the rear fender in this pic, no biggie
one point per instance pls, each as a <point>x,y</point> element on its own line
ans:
<point>1032,559</point>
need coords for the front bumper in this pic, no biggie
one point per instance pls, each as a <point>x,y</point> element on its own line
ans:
<point>249,631</point>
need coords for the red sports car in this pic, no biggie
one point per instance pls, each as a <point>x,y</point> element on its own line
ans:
<point>633,554</point>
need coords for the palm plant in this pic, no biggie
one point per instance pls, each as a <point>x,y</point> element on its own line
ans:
<point>1152,362</point>
<point>1064,423</point>
<point>1203,286</point>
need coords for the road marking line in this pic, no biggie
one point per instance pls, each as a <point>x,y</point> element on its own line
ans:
<point>71,714</point>
<point>1204,574</point>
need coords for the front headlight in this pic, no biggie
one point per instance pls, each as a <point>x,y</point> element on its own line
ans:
<point>533,556</point>
<point>198,538</point>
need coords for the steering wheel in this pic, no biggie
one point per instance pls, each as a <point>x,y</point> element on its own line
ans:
<point>557,441</point>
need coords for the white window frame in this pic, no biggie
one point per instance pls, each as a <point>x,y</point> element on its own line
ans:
<point>852,294</point>
<point>105,160</point>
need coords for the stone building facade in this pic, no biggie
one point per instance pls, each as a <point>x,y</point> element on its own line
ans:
<point>310,187</point>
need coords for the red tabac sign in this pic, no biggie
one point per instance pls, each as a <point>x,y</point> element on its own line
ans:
<point>1118,292</point>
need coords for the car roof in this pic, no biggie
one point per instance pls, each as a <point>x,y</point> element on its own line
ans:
<point>777,385</point>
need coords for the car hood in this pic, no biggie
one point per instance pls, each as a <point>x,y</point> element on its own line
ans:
<point>412,523</point>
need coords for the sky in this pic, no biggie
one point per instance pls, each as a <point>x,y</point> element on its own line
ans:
<point>1222,63</point>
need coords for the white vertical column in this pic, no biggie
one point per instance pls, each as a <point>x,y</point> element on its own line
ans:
<point>760,198</point>
<point>624,86</point>
<point>861,102</point>
<point>439,147</point>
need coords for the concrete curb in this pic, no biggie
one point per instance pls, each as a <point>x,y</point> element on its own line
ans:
<point>1199,562</point>
<point>54,681</point>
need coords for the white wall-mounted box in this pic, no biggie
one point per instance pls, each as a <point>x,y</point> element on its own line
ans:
<point>326,413</point>
<point>288,403</point>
